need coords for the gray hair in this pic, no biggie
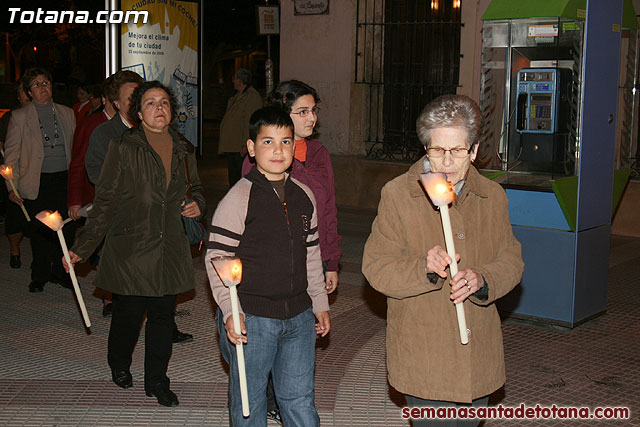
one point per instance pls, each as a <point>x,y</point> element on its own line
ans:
<point>244,76</point>
<point>450,111</point>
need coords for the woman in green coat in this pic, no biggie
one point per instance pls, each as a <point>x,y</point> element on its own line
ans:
<point>146,259</point>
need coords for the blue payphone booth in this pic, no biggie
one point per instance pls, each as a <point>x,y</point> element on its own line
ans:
<point>549,96</point>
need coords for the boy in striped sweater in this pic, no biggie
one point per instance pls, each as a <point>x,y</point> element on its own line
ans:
<point>269,221</point>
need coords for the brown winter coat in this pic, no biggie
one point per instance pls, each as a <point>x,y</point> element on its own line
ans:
<point>424,355</point>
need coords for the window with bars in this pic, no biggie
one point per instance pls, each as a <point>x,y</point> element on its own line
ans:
<point>407,53</point>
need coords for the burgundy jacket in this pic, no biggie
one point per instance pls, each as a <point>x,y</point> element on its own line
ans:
<point>79,190</point>
<point>317,174</point>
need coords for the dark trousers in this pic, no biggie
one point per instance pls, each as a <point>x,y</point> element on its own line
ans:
<point>128,311</point>
<point>234,167</point>
<point>45,246</point>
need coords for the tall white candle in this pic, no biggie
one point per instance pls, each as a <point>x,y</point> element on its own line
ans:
<point>74,279</point>
<point>53,220</point>
<point>7,173</point>
<point>451,250</point>
<point>229,270</point>
<point>441,193</point>
<point>242,374</point>
<point>24,210</point>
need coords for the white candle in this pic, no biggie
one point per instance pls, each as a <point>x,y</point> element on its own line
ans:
<point>7,173</point>
<point>230,271</point>
<point>53,220</point>
<point>451,250</point>
<point>441,193</point>
<point>242,374</point>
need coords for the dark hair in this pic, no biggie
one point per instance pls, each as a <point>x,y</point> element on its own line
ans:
<point>106,86</point>
<point>95,91</point>
<point>31,74</point>
<point>269,116</point>
<point>287,93</point>
<point>19,85</point>
<point>85,86</point>
<point>138,93</point>
<point>450,111</point>
<point>118,79</point>
<point>244,76</point>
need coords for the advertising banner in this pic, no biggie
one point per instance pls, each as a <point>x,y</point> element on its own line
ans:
<point>166,49</point>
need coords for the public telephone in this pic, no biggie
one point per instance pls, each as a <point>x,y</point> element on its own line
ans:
<point>538,98</point>
<point>542,118</point>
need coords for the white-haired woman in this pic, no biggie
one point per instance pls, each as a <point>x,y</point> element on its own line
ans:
<point>405,259</point>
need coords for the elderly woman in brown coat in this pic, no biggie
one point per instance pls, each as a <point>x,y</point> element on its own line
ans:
<point>405,259</point>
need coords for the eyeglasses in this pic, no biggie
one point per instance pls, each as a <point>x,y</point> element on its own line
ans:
<point>43,83</point>
<point>306,112</point>
<point>458,152</point>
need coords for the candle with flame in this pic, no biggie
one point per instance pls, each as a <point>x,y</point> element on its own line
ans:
<point>7,173</point>
<point>229,270</point>
<point>441,193</point>
<point>53,220</point>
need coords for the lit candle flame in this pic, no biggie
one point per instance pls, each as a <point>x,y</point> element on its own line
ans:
<point>229,269</point>
<point>236,271</point>
<point>440,190</point>
<point>6,172</point>
<point>53,220</point>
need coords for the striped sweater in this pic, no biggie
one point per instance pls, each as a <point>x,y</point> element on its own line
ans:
<point>278,245</point>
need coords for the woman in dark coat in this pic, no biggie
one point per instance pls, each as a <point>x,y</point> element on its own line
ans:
<point>146,259</point>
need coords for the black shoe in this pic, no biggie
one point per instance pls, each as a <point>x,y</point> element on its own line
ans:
<point>165,396</point>
<point>64,281</point>
<point>14,261</point>
<point>107,309</point>
<point>122,378</point>
<point>36,286</point>
<point>181,336</point>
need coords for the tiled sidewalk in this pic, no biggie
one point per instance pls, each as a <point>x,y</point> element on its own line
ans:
<point>53,373</point>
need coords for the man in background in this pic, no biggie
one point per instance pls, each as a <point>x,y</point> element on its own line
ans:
<point>234,129</point>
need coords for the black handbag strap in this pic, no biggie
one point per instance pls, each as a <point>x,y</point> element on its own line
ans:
<point>186,166</point>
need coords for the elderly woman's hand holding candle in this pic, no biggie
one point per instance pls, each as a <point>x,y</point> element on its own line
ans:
<point>465,283</point>
<point>438,260</point>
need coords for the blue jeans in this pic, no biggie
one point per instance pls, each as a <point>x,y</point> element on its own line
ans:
<point>286,348</point>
